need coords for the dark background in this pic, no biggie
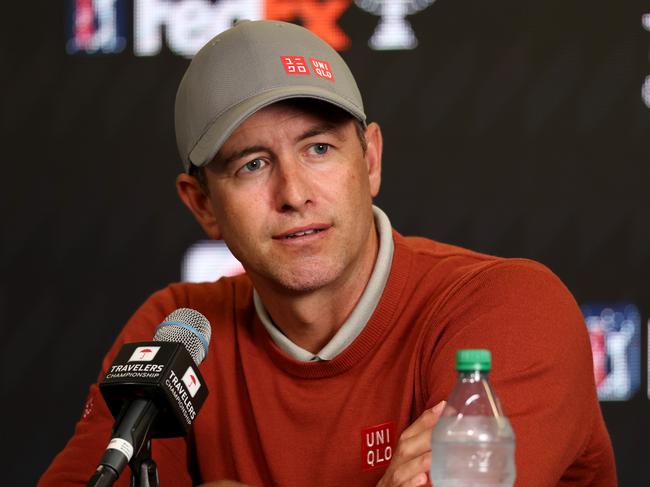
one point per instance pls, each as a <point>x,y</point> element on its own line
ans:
<point>515,128</point>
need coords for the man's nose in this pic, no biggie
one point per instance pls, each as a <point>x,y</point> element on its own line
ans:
<point>292,186</point>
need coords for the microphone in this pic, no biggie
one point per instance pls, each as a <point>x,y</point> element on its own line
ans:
<point>154,390</point>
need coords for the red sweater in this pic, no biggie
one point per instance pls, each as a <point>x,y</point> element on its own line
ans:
<point>271,420</point>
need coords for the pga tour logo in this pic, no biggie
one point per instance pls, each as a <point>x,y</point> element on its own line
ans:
<point>96,26</point>
<point>144,354</point>
<point>191,381</point>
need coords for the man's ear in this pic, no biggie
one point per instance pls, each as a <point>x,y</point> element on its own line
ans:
<point>375,142</point>
<point>199,203</point>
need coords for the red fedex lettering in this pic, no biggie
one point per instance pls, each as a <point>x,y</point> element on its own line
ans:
<point>319,16</point>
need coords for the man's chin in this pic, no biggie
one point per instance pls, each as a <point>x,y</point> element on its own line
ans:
<point>304,285</point>
<point>304,280</point>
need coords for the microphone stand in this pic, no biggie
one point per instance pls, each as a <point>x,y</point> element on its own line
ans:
<point>143,469</point>
<point>132,427</point>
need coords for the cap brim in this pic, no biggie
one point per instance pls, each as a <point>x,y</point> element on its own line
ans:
<point>225,123</point>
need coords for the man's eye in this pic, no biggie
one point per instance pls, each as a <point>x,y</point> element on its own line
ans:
<point>253,165</point>
<point>321,149</point>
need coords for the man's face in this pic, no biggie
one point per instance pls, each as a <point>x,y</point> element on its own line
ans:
<point>291,194</point>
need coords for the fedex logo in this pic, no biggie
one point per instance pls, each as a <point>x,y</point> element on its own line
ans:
<point>97,26</point>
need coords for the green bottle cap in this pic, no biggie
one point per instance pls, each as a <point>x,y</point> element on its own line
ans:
<point>469,360</point>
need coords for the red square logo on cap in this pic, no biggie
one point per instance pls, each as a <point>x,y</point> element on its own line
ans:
<point>294,64</point>
<point>322,68</point>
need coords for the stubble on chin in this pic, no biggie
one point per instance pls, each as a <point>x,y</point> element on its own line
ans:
<point>304,277</point>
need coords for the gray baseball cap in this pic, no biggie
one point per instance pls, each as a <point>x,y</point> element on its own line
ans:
<point>248,67</point>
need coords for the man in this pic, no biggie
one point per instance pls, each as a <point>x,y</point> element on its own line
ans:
<point>331,356</point>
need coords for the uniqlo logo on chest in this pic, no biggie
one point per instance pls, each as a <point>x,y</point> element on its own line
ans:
<point>191,381</point>
<point>322,68</point>
<point>294,64</point>
<point>377,445</point>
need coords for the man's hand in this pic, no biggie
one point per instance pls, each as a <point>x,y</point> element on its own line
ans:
<point>410,464</point>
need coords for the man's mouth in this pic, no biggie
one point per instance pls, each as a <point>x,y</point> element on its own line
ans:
<point>302,234</point>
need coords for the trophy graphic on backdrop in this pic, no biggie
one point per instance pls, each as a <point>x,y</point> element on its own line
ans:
<point>393,30</point>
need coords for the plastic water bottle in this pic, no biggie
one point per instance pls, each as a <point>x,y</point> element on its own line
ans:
<point>473,444</point>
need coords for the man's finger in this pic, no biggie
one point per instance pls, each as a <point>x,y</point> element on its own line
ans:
<point>412,473</point>
<point>420,479</point>
<point>413,446</point>
<point>427,420</point>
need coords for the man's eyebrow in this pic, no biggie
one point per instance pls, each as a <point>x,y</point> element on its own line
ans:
<point>320,129</point>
